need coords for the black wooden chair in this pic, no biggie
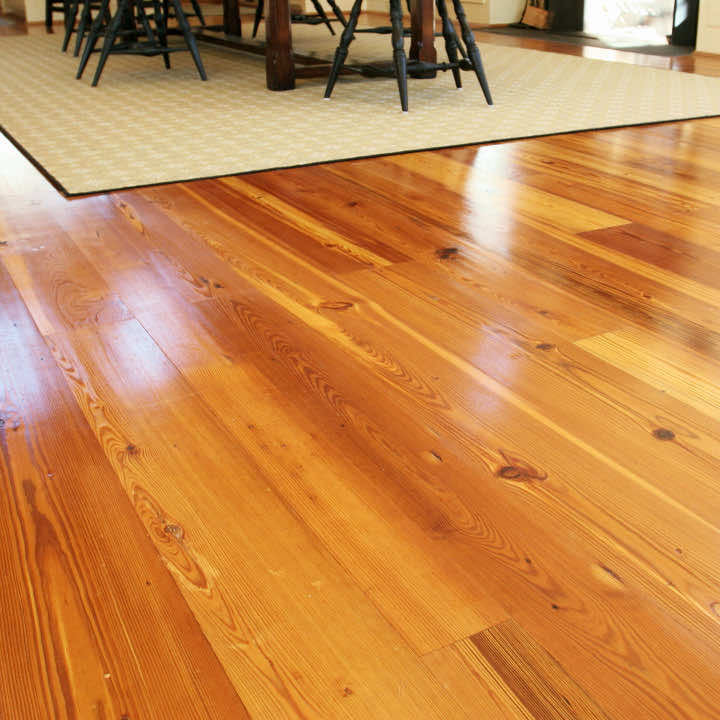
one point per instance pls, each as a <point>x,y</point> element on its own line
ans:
<point>307,19</point>
<point>144,33</point>
<point>459,57</point>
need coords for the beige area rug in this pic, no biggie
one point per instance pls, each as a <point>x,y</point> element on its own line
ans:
<point>144,125</point>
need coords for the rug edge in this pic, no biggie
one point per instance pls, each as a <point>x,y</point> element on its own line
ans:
<point>36,164</point>
<point>120,188</point>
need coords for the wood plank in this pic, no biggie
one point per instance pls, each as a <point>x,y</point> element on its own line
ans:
<point>673,369</point>
<point>584,168</point>
<point>472,680</point>
<point>686,178</point>
<point>76,293</point>
<point>635,202</point>
<point>295,227</point>
<point>640,293</point>
<point>505,673</point>
<point>484,189</point>
<point>533,675</point>
<point>662,250</point>
<point>352,231</point>
<point>92,623</point>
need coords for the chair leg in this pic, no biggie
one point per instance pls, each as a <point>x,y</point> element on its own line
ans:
<point>451,45</point>
<point>85,21</point>
<point>472,49</point>
<point>198,11</point>
<point>342,49</point>
<point>48,14</point>
<point>189,37</point>
<point>145,22</point>
<point>399,57</point>
<point>70,23</point>
<point>337,12</point>
<point>160,10</point>
<point>258,16</point>
<point>110,36</point>
<point>323,15</point>
<point>94,36</point>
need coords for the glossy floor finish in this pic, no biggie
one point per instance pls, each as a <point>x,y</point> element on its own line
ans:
<point>427,436</point>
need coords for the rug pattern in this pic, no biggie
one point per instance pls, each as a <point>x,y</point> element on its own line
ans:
<point>145,125</point>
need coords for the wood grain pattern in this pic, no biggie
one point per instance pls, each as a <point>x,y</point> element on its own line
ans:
<point>681,373</point>
<point>426,436</point>
<point>504,673</point>
<point>532,675</point>
<point>90,617</point>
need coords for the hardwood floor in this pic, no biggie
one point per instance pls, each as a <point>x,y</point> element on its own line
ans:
<point>426,436</point>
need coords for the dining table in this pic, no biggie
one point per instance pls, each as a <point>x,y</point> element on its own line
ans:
<point>283,66</point>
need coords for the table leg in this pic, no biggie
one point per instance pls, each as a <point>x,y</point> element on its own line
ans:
<point>231,17</point>
<point>279,63</point>
<point>422,45</point>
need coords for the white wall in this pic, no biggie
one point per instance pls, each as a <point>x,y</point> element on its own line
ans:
<point>35,11</point>
<point>504,12</point>
<point>708,37</point>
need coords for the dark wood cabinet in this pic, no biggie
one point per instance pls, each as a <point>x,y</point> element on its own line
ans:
<point>568,14</point>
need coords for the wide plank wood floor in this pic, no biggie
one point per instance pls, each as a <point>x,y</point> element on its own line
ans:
<point>426,436</point>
